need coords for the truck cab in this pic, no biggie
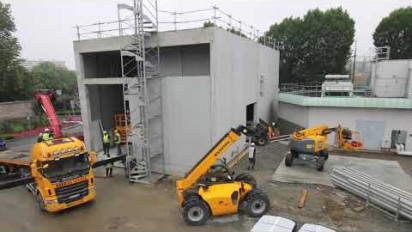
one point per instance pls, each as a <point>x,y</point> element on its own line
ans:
<point>62,170</point>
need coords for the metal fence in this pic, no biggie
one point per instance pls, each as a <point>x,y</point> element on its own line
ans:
<point>178,20</point>
<point>314,89</point>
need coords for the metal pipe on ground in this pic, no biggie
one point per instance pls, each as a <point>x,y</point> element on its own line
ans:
<point>375,192</point>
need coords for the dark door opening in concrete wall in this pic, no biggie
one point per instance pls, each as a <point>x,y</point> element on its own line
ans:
<point>250,113</point>
<point>398,136</point>
<point>102,64</point>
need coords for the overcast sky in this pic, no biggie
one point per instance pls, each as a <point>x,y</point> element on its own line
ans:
<point>45,28</point>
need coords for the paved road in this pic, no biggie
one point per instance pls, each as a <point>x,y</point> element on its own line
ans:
<point>25,144</point>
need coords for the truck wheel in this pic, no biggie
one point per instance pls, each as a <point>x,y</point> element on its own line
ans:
<point>247,178</point>
<point>257,204</point>
<point>40,203</point>
<point>195,211</point>
<point>289,159</point>
<point>320,164</point>
<point>326,154</point>
<point>295,154</point>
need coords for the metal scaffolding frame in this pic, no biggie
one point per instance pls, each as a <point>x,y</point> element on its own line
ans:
<point>139,64</point>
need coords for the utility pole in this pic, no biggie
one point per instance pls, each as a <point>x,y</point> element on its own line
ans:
<point>354,64</point>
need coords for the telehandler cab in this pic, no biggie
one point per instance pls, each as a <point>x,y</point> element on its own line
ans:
<point>209,189</point>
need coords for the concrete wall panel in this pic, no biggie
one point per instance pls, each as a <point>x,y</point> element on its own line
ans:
<point>186,113</point>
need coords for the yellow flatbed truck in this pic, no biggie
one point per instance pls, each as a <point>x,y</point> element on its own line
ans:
<point>58,172</point>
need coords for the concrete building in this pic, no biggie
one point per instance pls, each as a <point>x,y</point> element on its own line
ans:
<point>210,80</point>
<point>381,120</point>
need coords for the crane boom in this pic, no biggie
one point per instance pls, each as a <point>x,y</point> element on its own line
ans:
<point>44,100</point>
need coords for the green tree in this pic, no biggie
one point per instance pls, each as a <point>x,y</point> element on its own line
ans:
<point>395,31</point>
<point>47,75</point>
<point>313,46</point>
<point>13,77</point>
<point>208,24</point>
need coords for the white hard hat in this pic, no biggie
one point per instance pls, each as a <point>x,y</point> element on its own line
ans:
<point>46,130</point>
<point>252,144</point>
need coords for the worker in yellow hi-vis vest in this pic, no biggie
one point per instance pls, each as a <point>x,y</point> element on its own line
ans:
<point>106,143</point>
<point>118,142</point>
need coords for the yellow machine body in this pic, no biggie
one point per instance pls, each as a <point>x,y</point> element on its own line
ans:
<point>53,157</point>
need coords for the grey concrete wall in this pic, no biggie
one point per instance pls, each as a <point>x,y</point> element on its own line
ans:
<point>187,120</point>
<point>391,119</point>
<point>15,109</point>
<point>237,65</point>
<point>296,114</point>
<point>192,60</point>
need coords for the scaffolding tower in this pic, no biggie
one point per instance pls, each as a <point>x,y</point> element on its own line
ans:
<point>141,90</point>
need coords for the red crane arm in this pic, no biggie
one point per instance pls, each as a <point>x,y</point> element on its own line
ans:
<point>44,100</point>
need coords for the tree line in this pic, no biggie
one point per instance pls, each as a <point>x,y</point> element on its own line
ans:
<point>320,42</point>
<point>18,83</point>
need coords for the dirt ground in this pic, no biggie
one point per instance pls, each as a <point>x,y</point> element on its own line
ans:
<point>121,206</point>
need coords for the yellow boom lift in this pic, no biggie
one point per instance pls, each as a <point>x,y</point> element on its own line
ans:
<point>313,142</point>
<point>210,189</point>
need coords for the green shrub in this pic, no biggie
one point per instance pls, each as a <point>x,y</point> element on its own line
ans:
<point>6,136</point>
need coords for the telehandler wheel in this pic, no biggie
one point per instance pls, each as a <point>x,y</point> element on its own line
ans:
<point>195,211</point>
<point>247,178</point>
<point>40,203</point>
<point>289,159</point>
<point>261,141</point>
<point>257,203</point>
<point>320,164</point>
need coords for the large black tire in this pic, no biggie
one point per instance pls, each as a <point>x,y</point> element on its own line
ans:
<point>320,164</point>
<point>261,141</point>
<point>295,154</point>
<point>195,211</point>
<point>326,154</point>
<point>256,203</point>
<point>247,178</point>
<point>289,159</point>
<point>40,203</point>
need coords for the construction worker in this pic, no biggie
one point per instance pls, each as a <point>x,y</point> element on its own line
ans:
<point>46,135</point>
<point>109,167</point>
<point>106,143</point>
<point>252,158</point>
<point>118,142</point>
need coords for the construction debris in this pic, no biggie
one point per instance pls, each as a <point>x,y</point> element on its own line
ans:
<point>375,192</point>
<point>302,198</point>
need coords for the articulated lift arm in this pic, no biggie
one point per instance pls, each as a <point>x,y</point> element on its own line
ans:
<point>44,100</point>
<point>210,158</point>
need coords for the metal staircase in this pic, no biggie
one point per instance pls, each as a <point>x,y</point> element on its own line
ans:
<point>140,65</point>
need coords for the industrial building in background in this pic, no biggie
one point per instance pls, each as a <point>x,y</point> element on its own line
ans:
<point>380,111</point>
<point>178,90</point>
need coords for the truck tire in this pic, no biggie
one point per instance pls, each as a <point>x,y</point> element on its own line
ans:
<point>295,154</point>
<point>320,163</point>
<point>40,203</point>
<point>195,211</point>
<point>247,178</point>
<point>326,154</point>
<point>257,203</point>
<point>289,159</point>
